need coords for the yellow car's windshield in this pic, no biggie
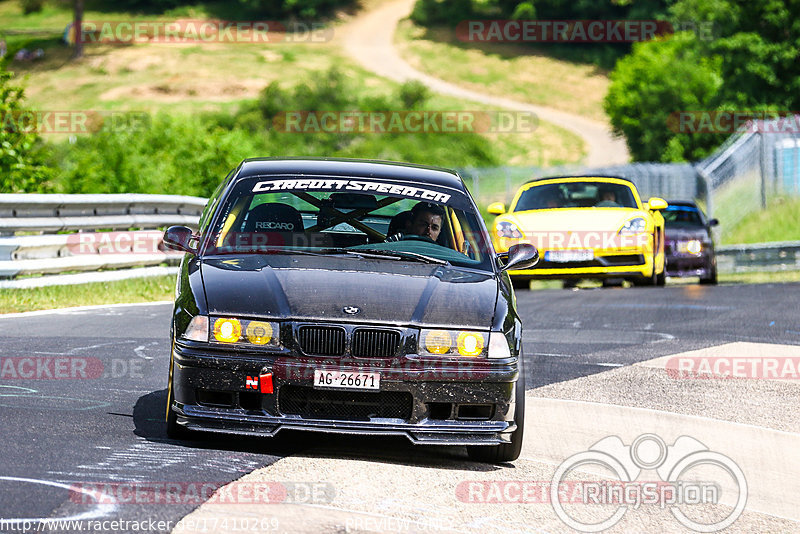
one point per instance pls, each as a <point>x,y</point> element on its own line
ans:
<point>576,195</point>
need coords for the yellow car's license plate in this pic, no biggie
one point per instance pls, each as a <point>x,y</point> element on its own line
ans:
<point>346,379</point>
<point>563,256</point>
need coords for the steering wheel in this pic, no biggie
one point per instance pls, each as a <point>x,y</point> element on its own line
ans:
<point>414,237</point>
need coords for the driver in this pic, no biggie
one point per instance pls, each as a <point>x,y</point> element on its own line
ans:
<point>426,220</point>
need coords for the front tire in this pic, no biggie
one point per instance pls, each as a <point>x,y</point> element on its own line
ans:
<point>520,283</point>
<point>176,431</point>
<point>505,452</point>
<point>712,278</point>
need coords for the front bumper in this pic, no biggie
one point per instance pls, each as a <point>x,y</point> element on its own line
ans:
<point>443,405</point>
<point>632,259</point>
<point>683,265</point>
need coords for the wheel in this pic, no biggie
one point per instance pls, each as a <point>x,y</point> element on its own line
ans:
<point>506,452</point>
<point>176,431</point>
<point>661,279</point>
<point>520,283</point>
<point>712,277</point>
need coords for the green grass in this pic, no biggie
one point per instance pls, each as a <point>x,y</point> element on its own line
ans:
<point>191,78</point>
<point>510,71</point>
<point>779,222</point>
<point>123,291</point>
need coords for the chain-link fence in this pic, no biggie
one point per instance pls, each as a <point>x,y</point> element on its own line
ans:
<point>752,169</point>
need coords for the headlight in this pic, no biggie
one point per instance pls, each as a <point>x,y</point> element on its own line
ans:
<point>693,246</point>
<point>498,346</point>
<point>454,343</point>
<point>230,330</point>
<point>197,329</point>
<point>634,226</point>
<point>508,230</point>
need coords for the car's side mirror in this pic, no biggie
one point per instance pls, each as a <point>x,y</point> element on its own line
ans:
<point>656,203</point>
<point>179,238</point>
<point>713,222</point>
<point>496,208</point>
<point>520,256</point>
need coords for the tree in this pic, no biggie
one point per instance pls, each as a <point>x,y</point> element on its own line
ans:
<point>21,151</point>
<point>659,78</point>
<point>750,65</point>
<point>77,23</point>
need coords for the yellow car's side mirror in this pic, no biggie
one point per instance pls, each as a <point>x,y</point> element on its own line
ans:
<point>656,203</point>
<point>496,208</point>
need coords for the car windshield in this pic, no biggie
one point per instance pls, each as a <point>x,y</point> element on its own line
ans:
<point>359,217</point>
<point>576,195</point>
<point>682,215</point>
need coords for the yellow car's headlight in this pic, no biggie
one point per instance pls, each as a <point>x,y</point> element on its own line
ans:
<point>454,343</point>
<point>508,230</point>
<point>637,225</point>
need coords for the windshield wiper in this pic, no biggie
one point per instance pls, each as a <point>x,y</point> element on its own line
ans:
<point>399,255</point>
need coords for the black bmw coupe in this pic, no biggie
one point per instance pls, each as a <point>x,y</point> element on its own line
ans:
<point>347,296</point>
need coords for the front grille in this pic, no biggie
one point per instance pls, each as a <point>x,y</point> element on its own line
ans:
<point>322,340</point>
<point>600,261</point>
<point>369,343</point>
<point>343,405</point>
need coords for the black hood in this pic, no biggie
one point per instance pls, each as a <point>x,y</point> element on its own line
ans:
<point>386,291</point>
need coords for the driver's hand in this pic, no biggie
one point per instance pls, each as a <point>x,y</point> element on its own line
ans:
<point>394,237</point>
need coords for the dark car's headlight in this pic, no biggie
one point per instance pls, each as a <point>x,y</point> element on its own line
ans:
<point>463,344</point>
<point>453,343</point>
<point>231,330</point>
<point>692,246</point>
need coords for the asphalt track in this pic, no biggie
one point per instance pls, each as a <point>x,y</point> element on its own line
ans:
<point>592,368</point>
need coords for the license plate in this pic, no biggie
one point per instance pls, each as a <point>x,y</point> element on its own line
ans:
<point>346,379</point>
<point>563,256</point>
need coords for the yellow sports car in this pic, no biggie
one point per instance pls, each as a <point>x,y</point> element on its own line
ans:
<point>584,227</point>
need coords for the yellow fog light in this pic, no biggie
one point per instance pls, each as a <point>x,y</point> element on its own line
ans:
<point>470,343</point>
<point>438,341</point>
<point>227,330</point>
<point>259,332</point>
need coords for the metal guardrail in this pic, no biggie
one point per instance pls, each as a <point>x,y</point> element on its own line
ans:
<point>96,245</point>
<point>759,257</point>
<point>52,254</point>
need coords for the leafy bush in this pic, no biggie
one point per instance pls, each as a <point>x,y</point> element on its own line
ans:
<point>749,65</point>
<point>22,155</point>
<point>191,154</point>
<point>661,77</point>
